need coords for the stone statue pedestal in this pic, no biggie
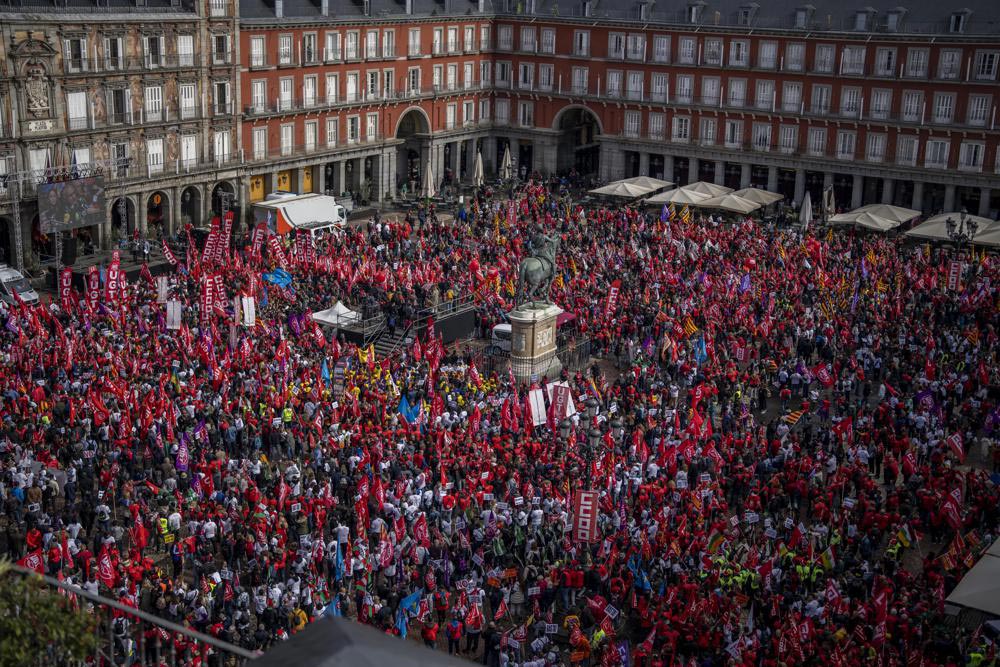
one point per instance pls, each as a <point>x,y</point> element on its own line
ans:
<point>533,341</point>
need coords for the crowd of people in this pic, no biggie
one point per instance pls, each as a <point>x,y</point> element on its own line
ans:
<point>790,432</point>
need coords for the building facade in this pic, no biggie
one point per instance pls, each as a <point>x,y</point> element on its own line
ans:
<point>186,106</point>
<point>140,95</point>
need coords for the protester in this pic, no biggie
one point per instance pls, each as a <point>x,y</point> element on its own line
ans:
<point>776,425</point>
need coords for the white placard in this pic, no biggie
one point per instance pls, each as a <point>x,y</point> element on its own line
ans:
<point>173,315</point>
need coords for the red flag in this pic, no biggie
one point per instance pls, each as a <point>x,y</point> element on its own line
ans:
<point>106,569</point>
<point>420,531</point>
<point>955,443</point>
<point>33,561</point>
<point>501,610</point>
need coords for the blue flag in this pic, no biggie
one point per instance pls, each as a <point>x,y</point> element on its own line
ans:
<point>745,283</point>
<point>411,603</point>
<point>325,373</point>
<point>700,351</point>
<point>410,413</point>
<point>339,564</point>
<point>279,277</point>
<point>665,214</point>
<point>333,609</point>
<point>401,623</point>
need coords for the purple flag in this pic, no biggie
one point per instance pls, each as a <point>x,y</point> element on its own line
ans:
<point>183,455</point>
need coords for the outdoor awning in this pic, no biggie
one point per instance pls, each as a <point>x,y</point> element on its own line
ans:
<point>706,188</point>
<point>980,587</point>
<point>633,188</point>
<point>936,228</point>
<point>762,197</point>
<point>877,217</point>
<point>730,202</point>
<point>678,196</point>
<point>990,237</point>
<point>337,316</point>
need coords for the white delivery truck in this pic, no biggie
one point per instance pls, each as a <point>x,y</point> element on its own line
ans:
<point>316,214</point>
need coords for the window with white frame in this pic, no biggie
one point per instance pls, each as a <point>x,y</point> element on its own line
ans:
<point>546,75</point>
<point>885,61</point>
<point>659,83</point>
<point>389,44</point>
<point>484,110</point>
<point>437,41</point>
<point>189,150</point>
<point>484,37</point>
<point>979,108</point>
<point>795,57</point>
<point>468,112</point>
<point>309,88</point>
<point>332,130</point>
<point>503,74</point>
<point>153,105</point>
<point>686,50</point>
<point>413,48</point>
<point>913,106</point>
<point>613,84</point>
<point>820,103</point>
<point>453,39</point>
<point>223,146</point>
<point>707,131</point>
<point>985,68</point>
<point>257,57</point>
<point>580,82</point>
<point>468,75</point>
<point>452,72</point>
<point>371,126</point>
<point>505,37</point>
<point>767,55</point>
<point>388,84</point>
<point>713,52</point>
<point>331,47</point>
<point>437,77</point>
<point>737,93</point>
<point>310,52</point>
<point>739,53</point>
<point>188,100</point>
<point>681,129</point>
<point>548,41</point>
<point>845,144</point>
<point>685,88</point>
<point>944,107</point>
<point>413,80</point>
<point>949,64</point>
<point>528,44</point>
<point>710,87</point>
<point>634,85</point>
<point>788,138</point>
<point>154,155</point>
<point>372,87</point>
<point>850,101</point>
<point>76,110</point>
<point>791,97</point>
<point>352,49</point>
<point>764,94</point>
<point>875,144</point>
<point>581,43</point>
<point>502,113</point>
<point>526,78</point>
<point>916,63</point>
<point>469,38</point>
<point>881,103</point>
<point>484,73</point>
<point>661,49</point>
<point>906,150</point>
<point>823,60</point>
<point>287,139</point>
<point>332,88</point>
<point>310,135</point>
<point>636,46</point>
<point>526,114</point>
<point>153,49</point>
<point>353,88</point>
<point>817,141</point>
<point>762,137</point>
<point>259,143</point>
<point>284,49</point>
<point>734,134</point>
<point>936,153</point>
<point>616,46</point>
<point>852,60</point>
<point>632,124</point>
<point>353,129</point>
<point>970,155</point>
<point>656,125</point>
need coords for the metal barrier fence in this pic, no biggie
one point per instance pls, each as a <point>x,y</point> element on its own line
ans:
<point>130,637</point>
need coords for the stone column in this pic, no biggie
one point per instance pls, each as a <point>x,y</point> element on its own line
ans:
<point>140,212</point>
<point>271,179</point>
<point>772,179</point>
<point>800,185</point>
<point>456,161</point>
<point>887,190</point>
<point>720,172</point>
<point>745,175</point>
<point>341,176</point>
<point>857,191</point>
<point>984,201</point>
<point>918,196</point>
<point>300,179</point>
<point>515,156</point>
<point>949,198</point>
<point>470,159</point>
<point>545,157</point>
<point>692,170</point>
<point>319,179</point>
<point>668,167</point>
<point>175,208</point>
<point>359,167</point>
<point>644,163</point>
<point>827,180</point>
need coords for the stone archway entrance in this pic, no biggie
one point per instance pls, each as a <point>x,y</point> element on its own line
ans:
<point>191,207</point>
<point>157,215</point>
<point>411,155</point>
<point>578,147</point>
<point>123,218</point>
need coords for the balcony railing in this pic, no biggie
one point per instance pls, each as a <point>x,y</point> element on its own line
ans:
<point>219,8</point>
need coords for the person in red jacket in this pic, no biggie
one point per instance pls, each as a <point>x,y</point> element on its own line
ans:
<point>429,633</point>
<point>454,631</point>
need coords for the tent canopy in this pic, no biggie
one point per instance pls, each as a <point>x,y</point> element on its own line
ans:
<point>706,188</point>
<point>762,197</point>
<point>730,202</point>
<point>631,187</point>
<point>878,217</point>
<point>936,228</point>
<point>980,587</point>
<point>678,196</point>
<point>337,316</point>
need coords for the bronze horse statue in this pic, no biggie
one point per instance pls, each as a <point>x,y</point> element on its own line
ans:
<point>534,276</point>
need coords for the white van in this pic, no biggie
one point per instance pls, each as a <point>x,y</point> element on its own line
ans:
<point>500,339</point>
<point>14,281</point>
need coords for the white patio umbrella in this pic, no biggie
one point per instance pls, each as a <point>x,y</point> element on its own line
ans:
<point>631,187</point>
<point>806,212</point>
<point>936,227</point>
<point>678,196</point>
<point>762,197</point>
<point>506,167</point>
<point>989,237</point>
<point>706,188</point>
<point>427,189</point>
<point>477,173</point>
<point>877,217</point>
<point>730,202</point>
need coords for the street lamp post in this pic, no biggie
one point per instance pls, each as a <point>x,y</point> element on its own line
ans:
<point>962,232</point>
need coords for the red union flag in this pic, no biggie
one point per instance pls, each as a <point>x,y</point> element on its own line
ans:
<point>93,287</point>
<point>613,296</point>
<point>955,443</point>
<point>585,516</point>
<point>955,275</point>
<point>113,286</point>
<point>66,287</point>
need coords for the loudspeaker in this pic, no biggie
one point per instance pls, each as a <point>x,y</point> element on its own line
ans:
<point>69,251</point>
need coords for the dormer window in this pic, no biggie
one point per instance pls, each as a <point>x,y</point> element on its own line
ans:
<point>644,8</point>
<point>956,24</point>
<point>588,8</point>
<point>694,12</point>
<point>863,19</point>
<point>894,19</point>
<point>747,14</point>
<point>803,15</point>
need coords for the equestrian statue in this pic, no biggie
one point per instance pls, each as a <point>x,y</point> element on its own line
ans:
<point>534,276</point>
